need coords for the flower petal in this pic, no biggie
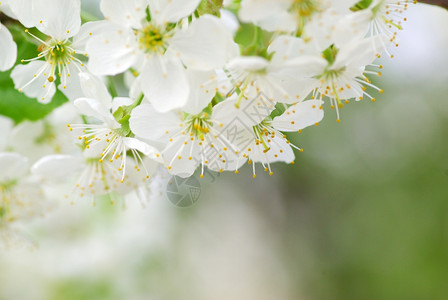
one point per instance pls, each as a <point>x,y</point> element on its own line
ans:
<point>94,108</point>
<point>250,112</point>
<point>144,119</point>
<point>13,166</point>
<point>203,85</point>
<point>129,13</point>
<point>270,15</point>
<point>299,116</point>
<point>182,159</point>
<point>6,125</point>
<point>31,80</point>
<point>94,88</point>
<point>279,151</point>
<point>121,101</point>
<point>8,49</point>
<point>206,44</point>
<point>59,19</point>
<point>149,151</point>
<point>164,83</point>
<point>19,9</point>
<point>112,53</point>
<point>71,85</point>
<point>172,11</point>
<point>58,167</point>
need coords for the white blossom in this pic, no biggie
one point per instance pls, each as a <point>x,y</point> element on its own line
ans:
<point>159,48</point>
<point>60,57</point>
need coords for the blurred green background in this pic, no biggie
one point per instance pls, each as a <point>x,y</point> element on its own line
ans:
<point>362,214</point>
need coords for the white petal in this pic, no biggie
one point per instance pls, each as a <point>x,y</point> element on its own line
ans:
<point>149,151</point>
<point>134,84</point>
<point>66,113</point>
<point>147,123</point>
<point>23,139</point>
<point>177,156</point>
<point>112,53</point>
<point>8,49</point>
<point>351,27</point>
<point>249,113</point>
<point>270,15</point>
<point>127,13</point>
<point>94,88</point>
<point>6,125</point>
<point>164,83</point>
<point>60,19</point>
<point>58,167</point>
<point>299,116</point>
<point>13,166</point>
<point>306,65</point>
<point>91,29</point>
<point>279,151</point>
<point>203,85</point>
<point>218,159</point>
<point>172,11</point>
<point>281,21</point>
<point>286,47</point>
<point>360,53</point>
<point>6,9</point>
<point>21,10</point>
<point>121,101</point>
<point>72,87</point>
<point>247,64</point>
<point>206,44</point>
<point>294,80</point>
<point>94,108</point>
<point>35,87</point>
<point>230,20</point>
<point>319,31</point>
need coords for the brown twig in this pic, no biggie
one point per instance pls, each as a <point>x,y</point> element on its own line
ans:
<point>441,3</point>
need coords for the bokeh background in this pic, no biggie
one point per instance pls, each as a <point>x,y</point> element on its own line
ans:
<point>362,214</point>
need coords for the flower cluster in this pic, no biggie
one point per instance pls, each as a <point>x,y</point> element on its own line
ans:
<point>180,85</point>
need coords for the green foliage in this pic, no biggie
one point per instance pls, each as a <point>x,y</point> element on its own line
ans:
<point>15,104</point>
<point>79,289</point>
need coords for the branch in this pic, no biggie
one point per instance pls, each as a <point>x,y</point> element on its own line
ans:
<point>441,3</point>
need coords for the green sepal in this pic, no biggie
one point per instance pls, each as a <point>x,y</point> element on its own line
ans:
<point>330,54</point>
<point>120,113</point>
<point>125,129</point>
<point>217,99</point>
<point>280,108</point>
<point>123,114</point>
<point>253,41</point>
<point>148,14</point>
<point>361,5</point>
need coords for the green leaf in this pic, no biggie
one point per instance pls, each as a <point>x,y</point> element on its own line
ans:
<point>18,107</point>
